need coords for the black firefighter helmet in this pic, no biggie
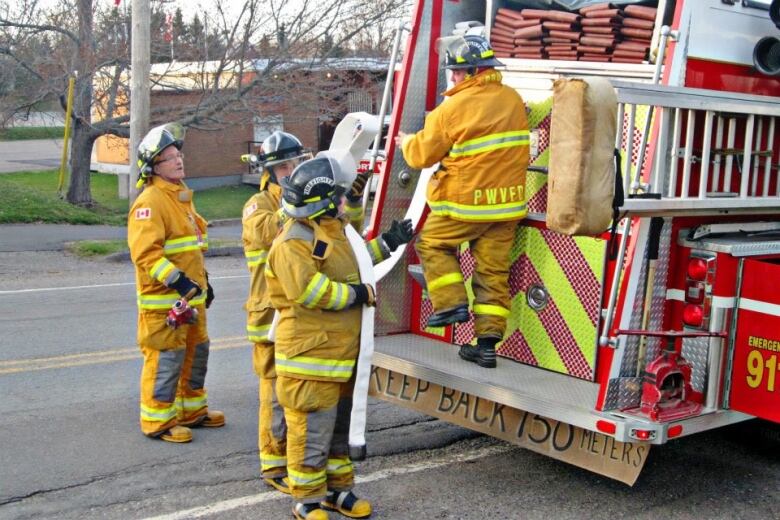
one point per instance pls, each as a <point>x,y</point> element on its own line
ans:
<point>466,52</point>
<point>280,147</point>
<point>312,189</point>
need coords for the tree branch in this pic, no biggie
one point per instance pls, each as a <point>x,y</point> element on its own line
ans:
<point>40,28</point>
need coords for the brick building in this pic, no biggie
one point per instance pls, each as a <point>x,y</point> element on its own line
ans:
<point>305,99</point>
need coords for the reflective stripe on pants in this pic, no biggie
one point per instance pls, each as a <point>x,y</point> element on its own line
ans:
<point>490,243</point>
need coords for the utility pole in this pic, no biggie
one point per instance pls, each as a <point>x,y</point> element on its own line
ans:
<point>139,86</point>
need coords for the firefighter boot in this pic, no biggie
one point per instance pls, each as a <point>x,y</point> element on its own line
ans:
<point>457,314</point>
<point>176,434</point>
<point>309,512</point>
<point>484,354</point>
<point>279,483</point>
<point>346,503</point>
<point>213,419</point>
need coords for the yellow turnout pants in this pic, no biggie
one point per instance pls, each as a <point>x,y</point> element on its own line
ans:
<point>317,415</point>
<point>271,428</point>
<point>174,371</point>
<point>490,244</point>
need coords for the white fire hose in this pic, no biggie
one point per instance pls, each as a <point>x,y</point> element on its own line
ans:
<point>349,143</point>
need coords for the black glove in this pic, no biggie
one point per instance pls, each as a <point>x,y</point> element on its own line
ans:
<point>358,187</point>
<point>185,287</point>
<point>209,292</point>
<point>399,233</point>
<point>364,293</point>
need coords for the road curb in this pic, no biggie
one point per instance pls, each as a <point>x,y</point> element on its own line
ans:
<point>217,251</point>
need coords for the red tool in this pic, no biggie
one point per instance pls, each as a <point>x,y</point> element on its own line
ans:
<point>181,314</point>
<point>666,382</point>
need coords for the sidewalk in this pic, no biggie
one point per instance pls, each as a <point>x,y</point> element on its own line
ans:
<point>52,237</point>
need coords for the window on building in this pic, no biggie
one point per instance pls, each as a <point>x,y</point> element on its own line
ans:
<point>266,125</point>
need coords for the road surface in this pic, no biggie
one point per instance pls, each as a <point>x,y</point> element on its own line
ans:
<point>70,447</point>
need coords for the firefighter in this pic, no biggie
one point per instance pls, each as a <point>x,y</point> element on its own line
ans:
<point>167,239</point>
<point>480,137</point>
<point>262,218</point>
<point>314,283</point>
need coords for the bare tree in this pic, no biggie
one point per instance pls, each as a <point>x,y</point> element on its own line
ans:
<point>235,54</point>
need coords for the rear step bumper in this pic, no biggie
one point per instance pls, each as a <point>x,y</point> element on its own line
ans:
<point>526,388</point>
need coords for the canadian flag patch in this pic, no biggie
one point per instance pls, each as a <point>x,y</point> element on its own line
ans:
<point>250,209</point>
<point>143,213</point>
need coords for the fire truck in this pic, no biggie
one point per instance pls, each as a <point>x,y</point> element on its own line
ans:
<point>667,326</point>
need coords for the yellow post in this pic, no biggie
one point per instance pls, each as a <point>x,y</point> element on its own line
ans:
<point>66,138</point>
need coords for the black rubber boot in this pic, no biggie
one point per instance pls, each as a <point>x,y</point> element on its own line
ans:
<point>484,354</point>
<point>457,314</point>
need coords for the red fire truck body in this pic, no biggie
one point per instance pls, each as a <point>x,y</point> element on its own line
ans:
<point>606,354</point>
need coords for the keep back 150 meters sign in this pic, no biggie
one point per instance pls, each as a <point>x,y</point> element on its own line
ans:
<point>590,450</point>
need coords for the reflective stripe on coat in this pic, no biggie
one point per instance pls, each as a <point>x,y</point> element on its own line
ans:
<point>480,137</point>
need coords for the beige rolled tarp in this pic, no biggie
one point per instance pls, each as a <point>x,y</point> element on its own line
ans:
<point>581,181</point>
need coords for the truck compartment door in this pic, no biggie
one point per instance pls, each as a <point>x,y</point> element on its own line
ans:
<point>755,365</point>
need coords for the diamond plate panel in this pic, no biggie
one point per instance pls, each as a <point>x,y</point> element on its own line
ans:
<point>631,346</point>
<point>658,302</point>
<point>611,400</point>
<point>630,394</point>
<point>695,351</point>
<point>623,393</point>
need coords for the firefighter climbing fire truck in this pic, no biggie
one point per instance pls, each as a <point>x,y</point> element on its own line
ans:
<point>668,325</point>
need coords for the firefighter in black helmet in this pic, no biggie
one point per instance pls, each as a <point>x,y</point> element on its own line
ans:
<point>262,217</point>
<point>314,284</point>
<point>480,138</point>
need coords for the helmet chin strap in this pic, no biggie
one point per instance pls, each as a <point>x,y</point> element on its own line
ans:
<point>307,210</point>
<point>272,174</point>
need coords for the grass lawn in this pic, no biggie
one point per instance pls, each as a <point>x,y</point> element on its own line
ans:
<point>224,202</point>
<point>31,196</point>
<point>23,133</point>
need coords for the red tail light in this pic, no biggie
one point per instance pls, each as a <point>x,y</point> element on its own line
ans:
<point>643,435</point>
<point>674,431</point>
<point>606,427</point>
<point>697,269</point>
<point>700,274</point>
<point>693,315</point>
